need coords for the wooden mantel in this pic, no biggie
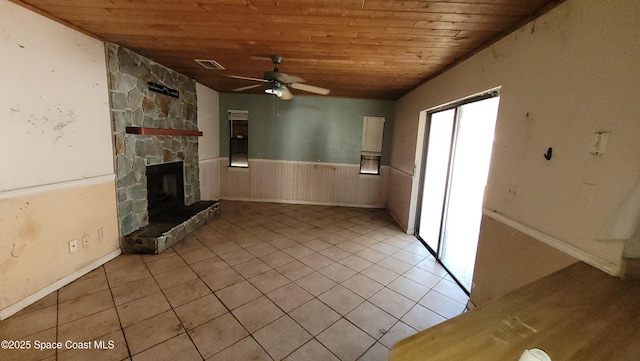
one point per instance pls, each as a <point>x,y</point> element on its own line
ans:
<point>163,131</point>
<point>576,314</point>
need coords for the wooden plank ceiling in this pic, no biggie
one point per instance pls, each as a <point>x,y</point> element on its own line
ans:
<point>372,49</point>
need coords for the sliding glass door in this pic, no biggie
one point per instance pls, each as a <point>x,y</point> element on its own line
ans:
<point>455,173</point>
<point>435,177</point>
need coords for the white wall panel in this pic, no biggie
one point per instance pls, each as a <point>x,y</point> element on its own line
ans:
<point>54,107</point>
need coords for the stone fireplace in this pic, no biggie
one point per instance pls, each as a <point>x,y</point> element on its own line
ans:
<point>154,167</point>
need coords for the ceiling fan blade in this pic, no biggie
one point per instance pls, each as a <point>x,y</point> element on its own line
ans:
<point>247,87</point>
<point>310,88</point>
<point>248,78</point>
<point>286,93</point>
<point>282,77</point>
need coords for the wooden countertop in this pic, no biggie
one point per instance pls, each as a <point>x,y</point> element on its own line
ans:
<point>576,314</point>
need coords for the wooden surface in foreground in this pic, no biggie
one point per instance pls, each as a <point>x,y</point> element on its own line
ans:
<point>578,313</point>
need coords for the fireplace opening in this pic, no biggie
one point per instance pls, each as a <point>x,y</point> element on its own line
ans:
<point>165,189</point>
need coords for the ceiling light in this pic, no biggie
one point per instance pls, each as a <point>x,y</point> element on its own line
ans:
<point>274,91</point>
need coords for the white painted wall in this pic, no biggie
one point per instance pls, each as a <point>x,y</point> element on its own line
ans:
<point>570,73</point>
<point>209,143</point>
<point>54,105</point>
<point>208,122</point>
<point>56,157</point>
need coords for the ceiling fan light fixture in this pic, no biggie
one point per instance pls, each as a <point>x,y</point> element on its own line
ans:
<point>278,83</point>
<point>275,91</point>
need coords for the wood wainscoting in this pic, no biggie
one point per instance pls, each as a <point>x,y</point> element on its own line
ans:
<point>304,182</point>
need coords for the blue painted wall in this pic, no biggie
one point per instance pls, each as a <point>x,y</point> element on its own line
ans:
<point>311,129</point>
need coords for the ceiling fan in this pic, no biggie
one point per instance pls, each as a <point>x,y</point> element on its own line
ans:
<point>279,83</point>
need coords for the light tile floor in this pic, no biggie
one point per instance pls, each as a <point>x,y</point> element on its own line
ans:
<point>262,281</point>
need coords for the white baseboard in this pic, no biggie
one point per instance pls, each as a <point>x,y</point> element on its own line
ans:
<point>33,298</point>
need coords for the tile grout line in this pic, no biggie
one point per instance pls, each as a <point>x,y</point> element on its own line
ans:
<point>294,320</point>
<point>223,304</point>
<point>126,342</point>
<point>251,334</point>
<point>285,313</point>
<point>186,331</point>
<point>57,318</point>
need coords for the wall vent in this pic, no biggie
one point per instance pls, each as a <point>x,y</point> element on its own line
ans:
<point>209,64</point>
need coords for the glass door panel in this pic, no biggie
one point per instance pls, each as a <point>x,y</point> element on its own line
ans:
<point>435,177</point>
<point>471,158</point>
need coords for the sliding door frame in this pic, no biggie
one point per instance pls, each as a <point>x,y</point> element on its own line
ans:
<point>454,105</point>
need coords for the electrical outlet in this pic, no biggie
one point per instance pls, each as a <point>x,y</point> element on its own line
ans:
<point>512,191</point>
<point>101,234</point>
<point>85,240</point>
<point>73,245</point>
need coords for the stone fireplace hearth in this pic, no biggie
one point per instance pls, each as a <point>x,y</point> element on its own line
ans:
<point>174,226</point>
<point>146,95</point>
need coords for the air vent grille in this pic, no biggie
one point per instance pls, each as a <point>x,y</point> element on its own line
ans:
<point>209,64</point>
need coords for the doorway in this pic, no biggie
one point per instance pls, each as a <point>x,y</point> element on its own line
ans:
<point>459,140</point>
